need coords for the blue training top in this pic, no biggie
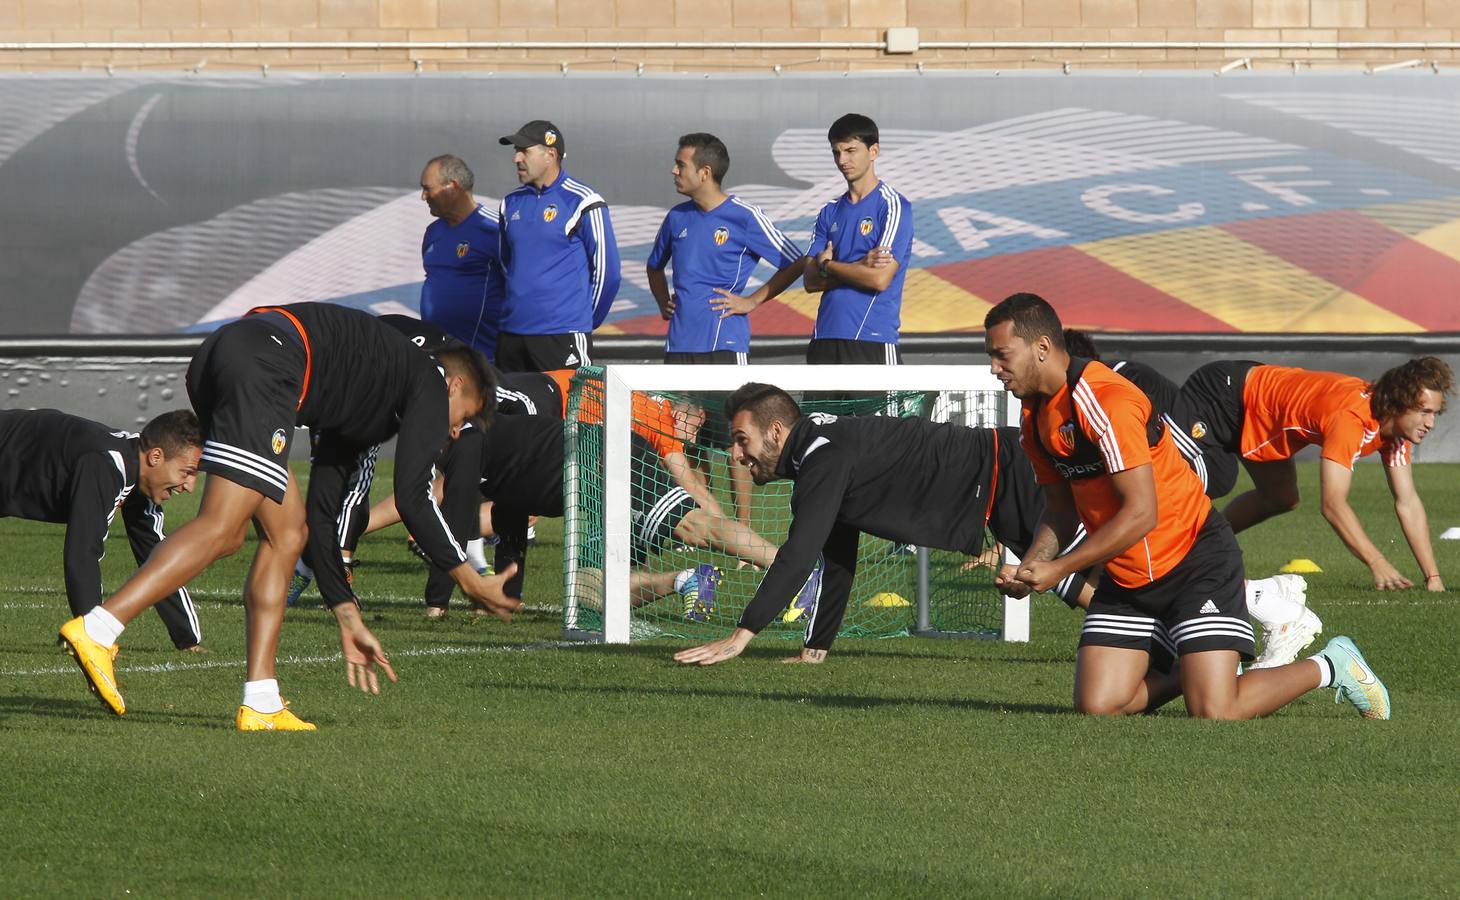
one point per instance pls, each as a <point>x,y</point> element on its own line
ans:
<point>464,285</point>
<point>715,249</point>
<point>883,218</point>
<point>560,257</point>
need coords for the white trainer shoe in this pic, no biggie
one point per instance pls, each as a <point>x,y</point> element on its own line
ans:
<point>1293,588</point>
<point>1282,644</point>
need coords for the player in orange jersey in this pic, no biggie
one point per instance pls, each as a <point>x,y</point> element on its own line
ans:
<point>1266,414</point>
<point>1173,580</point>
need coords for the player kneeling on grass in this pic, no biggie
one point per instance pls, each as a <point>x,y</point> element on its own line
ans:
<point>1173,570</point>
<point>908,480</point>
<point>56,467</point>
<point>346,375</point>
<point>1279,603</point>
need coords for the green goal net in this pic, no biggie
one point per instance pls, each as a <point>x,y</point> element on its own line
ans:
<point>678,449</point>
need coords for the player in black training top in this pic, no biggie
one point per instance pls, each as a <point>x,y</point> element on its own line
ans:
<point>56,467</point>
<point>911,481</point>
<point>355,382</point>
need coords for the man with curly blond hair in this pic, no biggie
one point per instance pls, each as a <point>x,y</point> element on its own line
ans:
<point>1266,414</point>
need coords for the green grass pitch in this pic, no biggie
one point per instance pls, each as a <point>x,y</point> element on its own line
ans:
<point>508,763</point>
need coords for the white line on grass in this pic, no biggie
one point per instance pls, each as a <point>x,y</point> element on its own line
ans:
<point>453,650</point>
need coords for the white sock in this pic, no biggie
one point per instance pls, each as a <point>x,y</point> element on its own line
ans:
<point>263,695</point>
<point>1265,603</point>
<point>1325,667</point>
<point>476,554</point>
<point>681,579</point>
<point>102,626</point>
<point>532,532</point>
<point>302,568</point>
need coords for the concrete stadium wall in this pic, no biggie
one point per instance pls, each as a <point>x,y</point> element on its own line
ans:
<point>714,20</point>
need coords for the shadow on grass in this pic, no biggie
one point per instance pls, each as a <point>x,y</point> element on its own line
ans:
<point>90,710</point>
<point>782,649</point>
<point>846,701</point>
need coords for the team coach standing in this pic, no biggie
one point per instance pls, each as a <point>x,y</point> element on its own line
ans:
<point>559,256</point>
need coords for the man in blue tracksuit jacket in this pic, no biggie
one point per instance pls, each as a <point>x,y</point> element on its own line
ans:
<point>559,256</point>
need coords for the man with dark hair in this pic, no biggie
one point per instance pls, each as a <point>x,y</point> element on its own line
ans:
<point>559,255</point>
<point>354,381</point>
<point>909,480</point>
<point>708,239</point>
<point>859,254</point>
<point>1277,603</point>
<point>714,241</point>
<point>1173,574</point>
<point>56,467</point>
<point>460,251</point>
<point>1266,414</point>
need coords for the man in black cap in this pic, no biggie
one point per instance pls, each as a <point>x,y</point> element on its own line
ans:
<point>559,255</point>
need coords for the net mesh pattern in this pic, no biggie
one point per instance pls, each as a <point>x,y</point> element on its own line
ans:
<point>884,595</point>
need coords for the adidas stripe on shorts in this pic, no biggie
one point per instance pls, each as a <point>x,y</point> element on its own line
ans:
<point>1197,606</point>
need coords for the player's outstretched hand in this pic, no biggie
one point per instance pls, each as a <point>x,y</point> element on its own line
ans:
<point>716,651</point>
<point>728,304</point>
<point>1041,575</point>
<point>488,592</point>
<point>362,651</point>
<point>807,656</point>
<point>1434,584</point>
<point>1387,578</point>
<point>1009,584</point>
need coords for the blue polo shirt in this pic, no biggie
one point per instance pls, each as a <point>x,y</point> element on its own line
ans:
<point>560,258</point>
<point>464,287</point>
<point>715,249</point>
<point>883,218</point>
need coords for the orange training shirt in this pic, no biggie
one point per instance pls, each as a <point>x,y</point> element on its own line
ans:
<point>1286,409</point>
<point>653,419</point>
<point>1113,413</point>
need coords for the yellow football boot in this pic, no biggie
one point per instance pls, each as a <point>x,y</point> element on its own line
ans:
<point>95,660</point>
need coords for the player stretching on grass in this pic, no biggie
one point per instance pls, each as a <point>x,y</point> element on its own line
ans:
<point>1173,576</point>
<point>1268,413</point>
<point>56,467</point>
<point>347,376</point>
<point>911,481</point>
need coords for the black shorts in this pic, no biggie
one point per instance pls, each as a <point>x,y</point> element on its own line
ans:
<point>543,352</point>
<point>656,502</point>
<point>710,358</point>
<point>1199,605</point>
<point>835,351</point>
<point>529,394</point>
<point>1213,396</point>
<point>1215,466</point>
<point>246,383</point>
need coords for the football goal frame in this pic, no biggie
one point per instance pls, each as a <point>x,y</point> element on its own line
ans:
<point>620,382</point>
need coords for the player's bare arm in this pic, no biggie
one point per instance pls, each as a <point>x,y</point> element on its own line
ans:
<point>689,478</point>
<point>813,280</point>
<point>659,287</point>
<point>362,650</point>
<point>1334,481</point>
<point>1136,489</point>
<point>873,272</point>
<point>488,592</point>
<point>1415,523</point>
<point>728,304</point>
<point>719,651</point>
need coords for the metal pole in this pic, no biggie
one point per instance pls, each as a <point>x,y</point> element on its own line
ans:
<point>925,597</point>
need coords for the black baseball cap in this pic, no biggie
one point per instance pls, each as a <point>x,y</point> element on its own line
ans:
<point>538,131</point>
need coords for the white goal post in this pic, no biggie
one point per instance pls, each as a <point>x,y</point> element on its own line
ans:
<point>620,382</point>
